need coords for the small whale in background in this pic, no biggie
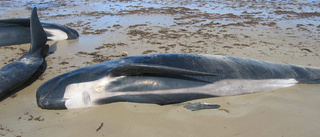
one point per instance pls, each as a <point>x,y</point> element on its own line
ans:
<point>168,78</point>
<point>17,31</point>
<point>17,73</point>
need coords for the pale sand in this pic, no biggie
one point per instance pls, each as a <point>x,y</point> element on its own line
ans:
<point>287,112</point>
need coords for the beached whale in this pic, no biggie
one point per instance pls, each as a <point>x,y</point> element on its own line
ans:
<point>16,73</point>
<point>17,31</point>
<point>168,78</point>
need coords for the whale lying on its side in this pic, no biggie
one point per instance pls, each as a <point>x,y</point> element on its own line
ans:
<point>16,73</point>
<point>168,78</point>
<point>17,31</point>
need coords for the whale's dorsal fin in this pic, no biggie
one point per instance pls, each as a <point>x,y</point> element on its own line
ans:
<point>38,35</point>
<point>136,69</point>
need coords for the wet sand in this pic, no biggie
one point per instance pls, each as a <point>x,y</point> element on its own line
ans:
<point>285,32</point>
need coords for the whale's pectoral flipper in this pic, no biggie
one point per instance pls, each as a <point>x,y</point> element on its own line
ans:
<point>136,69</point>
<point>193,106</point>
<point>38,35</point>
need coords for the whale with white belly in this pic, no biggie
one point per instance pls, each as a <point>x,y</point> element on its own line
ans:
<point>17,31</point>
<point>168,78</point>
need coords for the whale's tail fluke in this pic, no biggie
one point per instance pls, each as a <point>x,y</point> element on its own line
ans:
<point>38,35</point>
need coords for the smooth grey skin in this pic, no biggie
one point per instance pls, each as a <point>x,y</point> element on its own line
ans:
<point>168,78</point>
<point>16,73</point>
<point>17,31</point>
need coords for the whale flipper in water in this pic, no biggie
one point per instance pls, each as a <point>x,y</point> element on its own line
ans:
<point>168,78</point>
<point>16,73</point>
<point>17,31</point>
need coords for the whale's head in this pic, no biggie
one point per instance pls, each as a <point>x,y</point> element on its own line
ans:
<point>52,94</point>
<point>59,32</point>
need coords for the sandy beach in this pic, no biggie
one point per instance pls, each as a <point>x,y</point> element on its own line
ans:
<point>277,31</point>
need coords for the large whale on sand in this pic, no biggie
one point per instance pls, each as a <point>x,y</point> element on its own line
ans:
<point>17,31</point>
<point>168,78</point>
<point>18,72</point>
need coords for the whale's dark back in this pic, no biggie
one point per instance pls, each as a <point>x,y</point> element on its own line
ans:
<point>227,67</point>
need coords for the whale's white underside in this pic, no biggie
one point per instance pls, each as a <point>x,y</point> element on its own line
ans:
<point>86,94</point>
<point>56,34</point>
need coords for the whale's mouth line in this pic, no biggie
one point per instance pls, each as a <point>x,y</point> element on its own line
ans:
<point>48,92</point>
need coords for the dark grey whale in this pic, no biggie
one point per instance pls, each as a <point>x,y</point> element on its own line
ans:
<point>168,78</point>
<point>17,31</point>
<point>18,72</point>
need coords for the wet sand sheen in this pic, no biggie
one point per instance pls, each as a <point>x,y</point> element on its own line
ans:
<point>292,111</point>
